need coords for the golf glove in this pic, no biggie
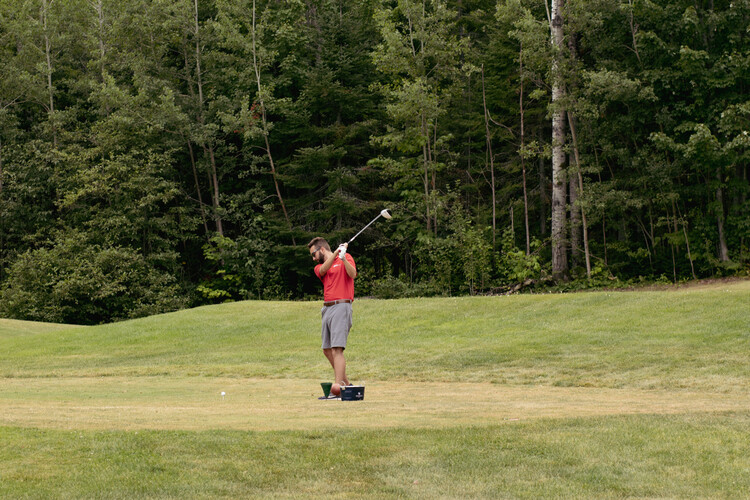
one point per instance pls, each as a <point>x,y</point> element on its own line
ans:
<point>342,252</point>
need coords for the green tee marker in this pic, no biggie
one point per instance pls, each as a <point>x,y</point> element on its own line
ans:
<point>326,388</point>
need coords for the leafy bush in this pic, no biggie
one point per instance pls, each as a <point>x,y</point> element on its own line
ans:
<point>435,258</point>
<point>389,287</point>
<point>244,270</point>
<point>460,261</point>
<point>74,282</point>
<point>514,265</point>
<point>473,251</point>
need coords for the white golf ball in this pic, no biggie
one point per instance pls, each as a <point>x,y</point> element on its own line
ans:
<point>223,393</point>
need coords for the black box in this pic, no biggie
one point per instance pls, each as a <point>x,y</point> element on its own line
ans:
<point>353,393</point>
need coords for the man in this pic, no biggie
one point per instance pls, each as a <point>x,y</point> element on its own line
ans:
<point>337,271</point>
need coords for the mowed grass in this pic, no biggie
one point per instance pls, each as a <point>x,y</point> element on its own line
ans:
<point>591,395</point>
<point>693,338</point>
<point>682,456</point>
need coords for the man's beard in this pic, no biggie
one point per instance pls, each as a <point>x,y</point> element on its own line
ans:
<point>321,259</point>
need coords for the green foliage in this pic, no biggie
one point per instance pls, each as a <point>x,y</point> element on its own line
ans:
<point>243,271</point>
<point>514,265</point>
<point>145,126</point>
<point>77,282</point>
<point>223,286</point>
<point>420,52</point>
<point>473,252</point>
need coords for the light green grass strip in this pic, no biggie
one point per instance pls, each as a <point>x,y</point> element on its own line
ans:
<point>14,328</point>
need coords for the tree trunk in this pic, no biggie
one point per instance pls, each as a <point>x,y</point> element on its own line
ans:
<point>432,155</point>
<point>468,140</point>
<point>604,213</point>
<point>99,7</point>
<point>215,184</point>
<point>559,254</point>
<point>426,165</point>
<point>604,237</point>
<point>723,250</point>
<point>207,148</point>
<point>671,244</point>
<point>198,74</point>
<point>575,220</point>
<point>633,31</point>
<point>491,159</point>
<point>579,225</point>
<point>48,56</point>
<point>523,163</point>
<point>256,67</point>
<point>575,209</point>
<point>687,243</point>
<point>542,193</point>
<point>198,187</point>
<point>587,255</point>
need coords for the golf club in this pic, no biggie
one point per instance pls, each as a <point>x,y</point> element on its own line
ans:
<point>384,213</point>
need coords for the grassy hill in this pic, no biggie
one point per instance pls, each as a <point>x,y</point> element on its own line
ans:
<point>590,395</point>
<point>693,338</point>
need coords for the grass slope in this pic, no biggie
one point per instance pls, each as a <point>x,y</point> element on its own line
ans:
<point>683,339</point>
<point>15,328</point>
<point>648,391</point>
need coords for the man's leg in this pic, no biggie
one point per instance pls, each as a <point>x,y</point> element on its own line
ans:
<point>342,361</point>
<point>329,355</point>
<point>339,365</point>
<point>326,337</point>
<point>340,323</point>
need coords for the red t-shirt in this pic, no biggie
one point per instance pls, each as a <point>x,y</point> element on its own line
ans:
<point>337,284</point>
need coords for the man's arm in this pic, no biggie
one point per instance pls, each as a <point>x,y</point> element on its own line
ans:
<point>328,263</point>
<point>350,269</point>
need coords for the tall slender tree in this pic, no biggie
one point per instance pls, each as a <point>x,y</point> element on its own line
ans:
<point>559,179</point>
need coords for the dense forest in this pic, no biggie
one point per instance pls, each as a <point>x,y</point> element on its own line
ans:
<point>161,154</point>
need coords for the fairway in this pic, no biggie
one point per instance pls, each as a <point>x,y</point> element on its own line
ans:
<point>168,403</point>
<point>593,394</point>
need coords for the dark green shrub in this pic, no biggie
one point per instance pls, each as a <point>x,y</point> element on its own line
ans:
<point>73,282</point>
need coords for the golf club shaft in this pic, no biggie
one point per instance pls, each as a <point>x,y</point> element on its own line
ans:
<point>360,232</point>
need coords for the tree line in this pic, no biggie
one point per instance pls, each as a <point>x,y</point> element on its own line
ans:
<point>160,154</point>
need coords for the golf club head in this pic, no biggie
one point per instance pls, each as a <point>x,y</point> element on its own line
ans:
<point>385,213</point>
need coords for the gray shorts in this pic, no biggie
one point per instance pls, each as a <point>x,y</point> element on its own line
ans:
<point>337,321</point>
